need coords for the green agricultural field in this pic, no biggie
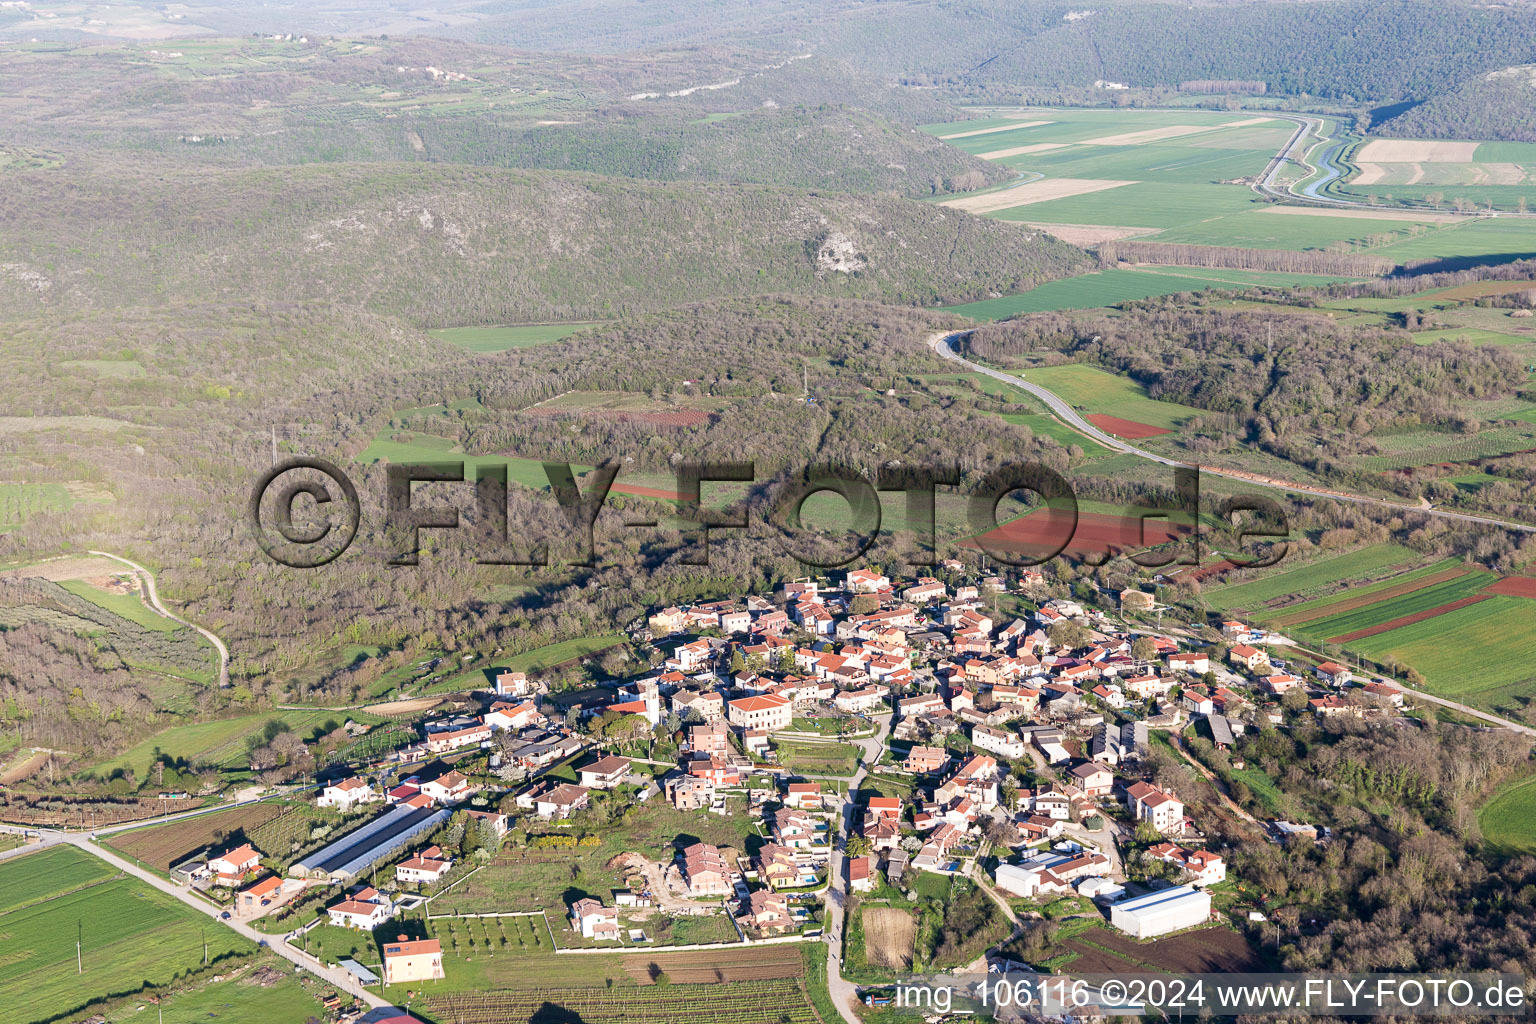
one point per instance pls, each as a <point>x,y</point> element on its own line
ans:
<point>1427,447</point>
<point>1099,391</point>
<point>20,502</point>
<point>1319,606</point>
<point>1482,654</point>
<point>1472,336</point>
<point>128,606</point>
<point>130,935</point>
<point>536,878</point>
<point>1048,426</point>
<point>233,1002</point>
<point>1508,820</point>
<point>220,743</point>
<point>812,758</point>
<point>1110,287</point>
<point>1264,229</point>
<point>1396,607</point>
<point>37,876</point>
<point>1144,205</point>
<point>1511,237</point>
<point>537,660</point>
<point>1287,582</point>
<point>122,368</point>
<point>509,336</point>
<point>1248,278</point>
<point>527,472</point>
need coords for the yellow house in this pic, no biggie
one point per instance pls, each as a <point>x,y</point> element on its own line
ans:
<point>412,961</point>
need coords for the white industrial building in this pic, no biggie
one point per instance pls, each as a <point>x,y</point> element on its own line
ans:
<point>1161,912</point>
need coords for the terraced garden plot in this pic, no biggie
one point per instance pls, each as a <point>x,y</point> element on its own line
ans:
<point>765,1002</point>
<point>161,846</point>
<point>534,879</point>
<point>817,758</point>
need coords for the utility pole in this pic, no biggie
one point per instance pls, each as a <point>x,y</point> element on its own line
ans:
<point>274,444</point>
<point>79,934</point>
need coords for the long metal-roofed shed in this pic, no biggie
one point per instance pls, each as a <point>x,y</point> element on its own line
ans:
<point>363,847</point>
<point>1161,911</point>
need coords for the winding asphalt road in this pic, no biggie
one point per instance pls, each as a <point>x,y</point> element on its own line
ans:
<point>152,598</point>
<point>943,344</point>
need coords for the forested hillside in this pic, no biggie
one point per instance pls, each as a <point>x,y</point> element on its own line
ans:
<point>1307,389</point>
<point>1498,105</point>
<point>1362,49</point>
<point>209,383</point>
<point>446,245</point>
<point>838,148</point>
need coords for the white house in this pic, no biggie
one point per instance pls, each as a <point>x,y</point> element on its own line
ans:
<point>595,921</point>
<point>426,867</point>
<point>347,794</point>
<point>365,909</point>
<point>1163,810</point>
<point>998,741</point>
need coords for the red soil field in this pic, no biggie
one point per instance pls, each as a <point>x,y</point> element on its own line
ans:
<point>1408,620</point>
<point>1513,586</point>
<point>1040,532</point>
<point>1128,429</point>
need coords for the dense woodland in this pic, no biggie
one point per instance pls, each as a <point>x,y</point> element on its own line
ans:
<point>1498,105</point>
<point>1402,885</point>
<point>1331,50</point>
<point>449,245</point>
<point>1281,373</point>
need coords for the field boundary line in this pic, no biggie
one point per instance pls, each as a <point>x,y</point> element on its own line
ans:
<point>777,940</point>
<point>1409,620</point>
<point>1388,593</point>
<point>120,876</point>
<point>428,900</point>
